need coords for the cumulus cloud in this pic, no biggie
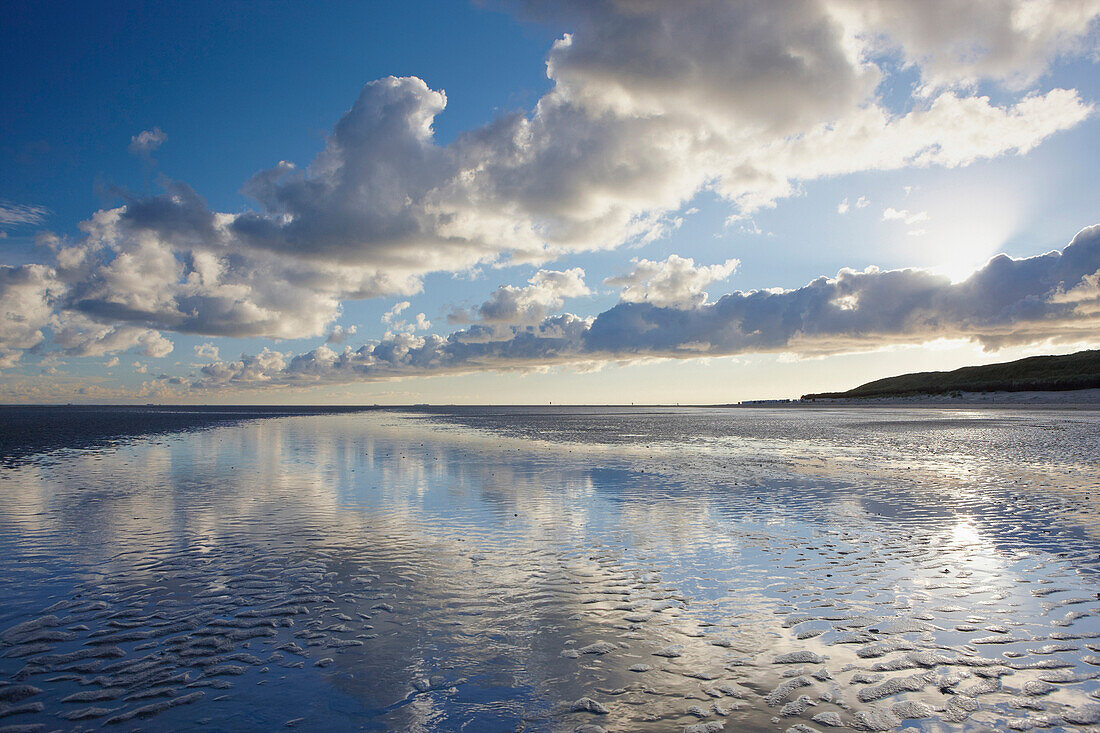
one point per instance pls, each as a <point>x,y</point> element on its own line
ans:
<point>79,335</point>
<point>675,282</point>
<point>953,44</point>
<point>27,293</point>
<point>554,340</point>
<point>649,104</point>
<point>545,292</point>
<point>250,369</point>
<point>398,308</point>
<point>340,334</point>
<point>179,278</point>
<point>207,351</point>
<point>391,319</point>
<point>31,301</point>
<point>1047,298</point>
<point>145,142</point>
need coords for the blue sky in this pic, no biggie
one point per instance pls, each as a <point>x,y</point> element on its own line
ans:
<point>446,154</point>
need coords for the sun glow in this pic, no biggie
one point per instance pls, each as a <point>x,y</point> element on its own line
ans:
<point>967,230</point>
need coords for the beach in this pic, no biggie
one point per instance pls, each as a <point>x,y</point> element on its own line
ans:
<point>560,569</point>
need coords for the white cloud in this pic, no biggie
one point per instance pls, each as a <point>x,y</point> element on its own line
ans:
<point>398,308</point>
<point>177,277</point>
<point>145,142</point>
<point>545,292</point>
<point>27,295</point>
<point>958,44</point>
<point>340,334</point>
<point>249,369</point>
<point>112,362</point>
<point>207,351</point>
<point>79,335</point>
<point>21,214</point>
<point>745,224</point>
<point>842,207</point>
<point>892,214</point>
<point>1084,295</point>
<point>140,368</point>
<point>419,322</point>
<point>674,282</point>
<point>862,202</point>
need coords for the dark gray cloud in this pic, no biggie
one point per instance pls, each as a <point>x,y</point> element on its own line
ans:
<point>1008,301</point>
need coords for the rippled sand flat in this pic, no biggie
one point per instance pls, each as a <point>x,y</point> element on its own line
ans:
<point>694,570</point>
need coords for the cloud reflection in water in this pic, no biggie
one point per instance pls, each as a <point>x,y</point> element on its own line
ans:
<point>392,571</point>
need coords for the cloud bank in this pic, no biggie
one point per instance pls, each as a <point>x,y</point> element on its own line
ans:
<point>1052,297</point>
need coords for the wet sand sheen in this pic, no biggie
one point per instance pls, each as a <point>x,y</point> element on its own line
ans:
<point>407,572</point>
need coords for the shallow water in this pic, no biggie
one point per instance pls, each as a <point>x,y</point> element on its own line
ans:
<point>544,569</point>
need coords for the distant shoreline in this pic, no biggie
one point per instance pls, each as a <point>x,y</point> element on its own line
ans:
<point>1081,399</point>
<point>1084,399</point>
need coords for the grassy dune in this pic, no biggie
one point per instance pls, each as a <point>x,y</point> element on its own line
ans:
<point>1035,373</point>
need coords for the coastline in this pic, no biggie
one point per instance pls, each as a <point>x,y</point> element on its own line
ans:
<point>1078,399</point>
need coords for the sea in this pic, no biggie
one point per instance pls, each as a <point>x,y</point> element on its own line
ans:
<point>549,569</point>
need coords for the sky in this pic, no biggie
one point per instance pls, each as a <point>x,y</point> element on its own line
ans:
<point>620,201</point>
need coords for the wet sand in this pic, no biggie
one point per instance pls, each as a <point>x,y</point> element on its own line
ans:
<point>554,570</point>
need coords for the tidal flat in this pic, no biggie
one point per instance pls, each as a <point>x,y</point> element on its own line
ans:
<point>559,569</point>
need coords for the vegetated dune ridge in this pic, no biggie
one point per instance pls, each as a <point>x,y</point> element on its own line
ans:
<point>1080,371</point>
